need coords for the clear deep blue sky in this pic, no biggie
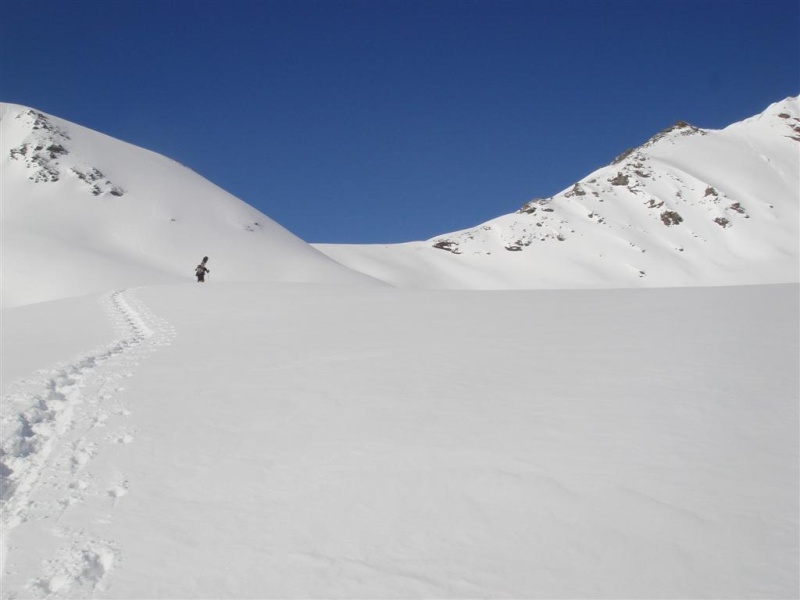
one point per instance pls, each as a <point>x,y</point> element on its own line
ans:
<point>385,121</point>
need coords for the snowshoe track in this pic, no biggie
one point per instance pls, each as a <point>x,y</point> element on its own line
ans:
<point>49,436</point>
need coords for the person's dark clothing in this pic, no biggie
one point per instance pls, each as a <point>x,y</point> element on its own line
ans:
<point>201,271</point>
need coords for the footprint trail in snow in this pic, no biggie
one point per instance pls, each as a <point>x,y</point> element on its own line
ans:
<point>53,426</point>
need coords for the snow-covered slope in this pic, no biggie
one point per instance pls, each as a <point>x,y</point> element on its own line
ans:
<point>284,439</point>
<point>83,212</point>
<point>332,442</point>
<point>689,207</point>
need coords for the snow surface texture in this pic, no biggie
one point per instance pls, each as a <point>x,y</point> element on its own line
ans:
<point>48,423</point>
<point>689,207</point>
<point>83,212</point>
<point>255,441</point>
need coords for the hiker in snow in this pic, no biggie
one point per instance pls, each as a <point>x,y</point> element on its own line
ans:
<point>201,270</point>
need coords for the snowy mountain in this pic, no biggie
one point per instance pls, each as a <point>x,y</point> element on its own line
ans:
<point>83,212</point>
<point>296,429</point>
<point>688,207</point>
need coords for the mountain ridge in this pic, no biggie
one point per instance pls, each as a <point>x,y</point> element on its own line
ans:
<point>83,213</point>
<point>689,206</point>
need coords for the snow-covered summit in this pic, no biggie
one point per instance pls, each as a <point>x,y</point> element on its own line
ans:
<point>690,206</point>
<point>83,212</point>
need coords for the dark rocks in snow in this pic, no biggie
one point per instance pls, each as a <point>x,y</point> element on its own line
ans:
<point>43,170</point>
<point>88,176</point>
<point>42,157</point>
<point>531,205</point>
<point>40,122</point>
<point>737,207</point>
<point>634,189</point>
<point>576,190</point>
<point>22,150</point>
<point>794,127</point>
<point>519,244</point>
<point>448,245</point>
<point>56,150</point>
<point>677,125</point>
<point>722,222</point>
<point>39,159</point>
<point>41,154</point>
<point>679,128</point>
<point>620,179</point>
<point>670,217</point>
<point>623,156</point>
<point>98,182</point>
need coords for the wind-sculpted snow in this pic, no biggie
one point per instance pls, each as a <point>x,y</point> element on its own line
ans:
<point>53,426</point>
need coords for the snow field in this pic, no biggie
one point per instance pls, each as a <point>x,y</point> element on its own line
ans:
<point>321,441</point>
<point>52,426</point>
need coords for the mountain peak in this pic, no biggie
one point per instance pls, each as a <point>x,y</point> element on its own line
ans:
<point>688,207</point>
<point>84,213</point>
<point>677,129</point>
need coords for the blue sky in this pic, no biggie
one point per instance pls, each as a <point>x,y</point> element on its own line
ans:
<point>383,121</point>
